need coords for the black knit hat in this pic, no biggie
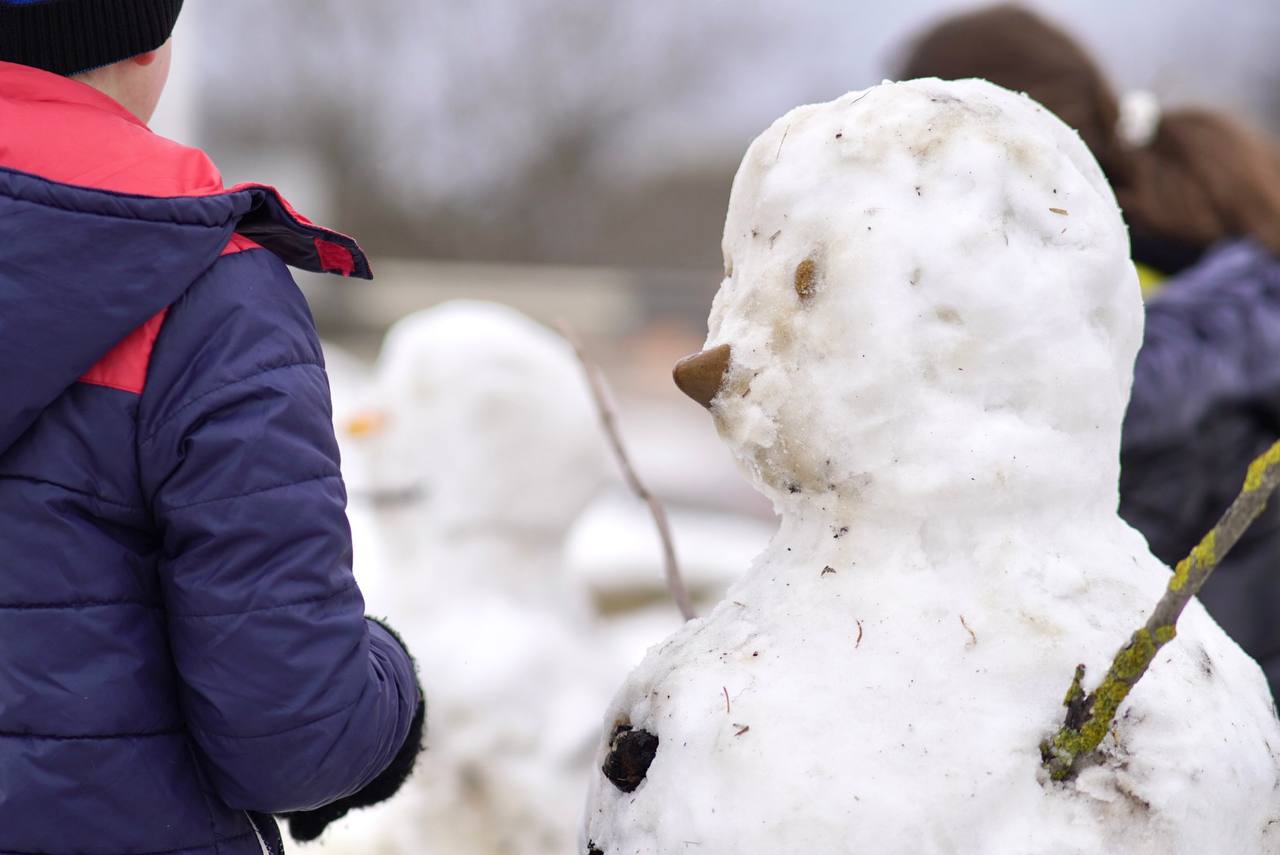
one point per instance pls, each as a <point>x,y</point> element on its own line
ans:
<point>71,36</point>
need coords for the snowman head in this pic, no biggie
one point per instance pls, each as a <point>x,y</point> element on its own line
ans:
<point>928,304</point>
<point>486,415</point>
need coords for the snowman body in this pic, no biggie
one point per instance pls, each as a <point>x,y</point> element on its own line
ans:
<point>488,446</point>
<point>932,319</point>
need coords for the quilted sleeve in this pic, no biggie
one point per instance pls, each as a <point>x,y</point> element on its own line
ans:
<point>292,697</point>
<point>1212,340</point>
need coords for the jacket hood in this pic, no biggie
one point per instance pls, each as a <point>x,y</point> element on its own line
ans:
<point>81,269</point>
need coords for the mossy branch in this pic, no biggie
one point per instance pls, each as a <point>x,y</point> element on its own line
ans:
<point>1089,717</point>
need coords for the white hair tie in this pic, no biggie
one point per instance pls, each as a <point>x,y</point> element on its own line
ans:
<point>1139,118</point>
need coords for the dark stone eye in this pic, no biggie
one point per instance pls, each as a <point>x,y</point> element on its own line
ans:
<point>592,849</point>
<point>630,754</point>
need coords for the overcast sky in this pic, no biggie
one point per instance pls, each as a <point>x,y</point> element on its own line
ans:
<point>452,95</point>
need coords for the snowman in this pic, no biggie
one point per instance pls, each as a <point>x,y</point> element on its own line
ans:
<point>481,449</point>
<point>921,352</point>
<point>481,439</point>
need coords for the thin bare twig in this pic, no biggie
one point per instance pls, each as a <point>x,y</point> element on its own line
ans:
<point>1089,717</point>
<point>599,393</point>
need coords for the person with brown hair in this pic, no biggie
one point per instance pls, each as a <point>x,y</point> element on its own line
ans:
<point>1201,195</point>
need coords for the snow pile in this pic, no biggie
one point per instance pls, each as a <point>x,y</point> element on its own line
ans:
<point>932,319</point>
<point>482,448</point>
<point>614,552</point>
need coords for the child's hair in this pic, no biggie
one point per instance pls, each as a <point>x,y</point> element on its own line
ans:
<point>1201,177</point>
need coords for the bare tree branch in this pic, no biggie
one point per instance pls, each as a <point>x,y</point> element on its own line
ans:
<point>599,392</point>
<point>1089,717</point>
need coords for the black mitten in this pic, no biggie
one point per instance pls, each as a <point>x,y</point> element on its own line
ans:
<point>308,825</point>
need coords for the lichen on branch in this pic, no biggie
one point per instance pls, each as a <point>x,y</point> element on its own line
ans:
<point>1089,716</point>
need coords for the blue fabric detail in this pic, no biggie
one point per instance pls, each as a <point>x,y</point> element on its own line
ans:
<point>182,641</point>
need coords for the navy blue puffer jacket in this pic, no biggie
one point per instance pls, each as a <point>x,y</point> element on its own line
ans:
<point>1206,401</point>
<point>182,642</point>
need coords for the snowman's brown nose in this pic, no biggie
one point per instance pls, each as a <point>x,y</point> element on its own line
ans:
<point>700,376</point>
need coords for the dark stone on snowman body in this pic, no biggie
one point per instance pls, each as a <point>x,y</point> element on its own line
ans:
<point>630,754</point>
<point>592,849</point>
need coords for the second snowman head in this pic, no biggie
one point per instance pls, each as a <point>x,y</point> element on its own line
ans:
<point>488,416</point>
<point>928,305</point>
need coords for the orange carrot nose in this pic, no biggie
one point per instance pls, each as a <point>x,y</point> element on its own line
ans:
<point>701,375</point>
<point>366,423</point>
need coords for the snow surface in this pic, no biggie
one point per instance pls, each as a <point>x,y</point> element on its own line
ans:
<point>938,425</point>
<point>486,450</point>
<point>615,551</point>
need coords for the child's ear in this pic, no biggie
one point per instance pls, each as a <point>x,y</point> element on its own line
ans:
<point>145,59</point>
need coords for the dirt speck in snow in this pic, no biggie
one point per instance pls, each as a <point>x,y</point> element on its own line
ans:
<point>1206,662</point>
<point>948,315</point>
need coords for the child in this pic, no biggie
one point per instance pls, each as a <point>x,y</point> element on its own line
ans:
<point>182,646</point>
